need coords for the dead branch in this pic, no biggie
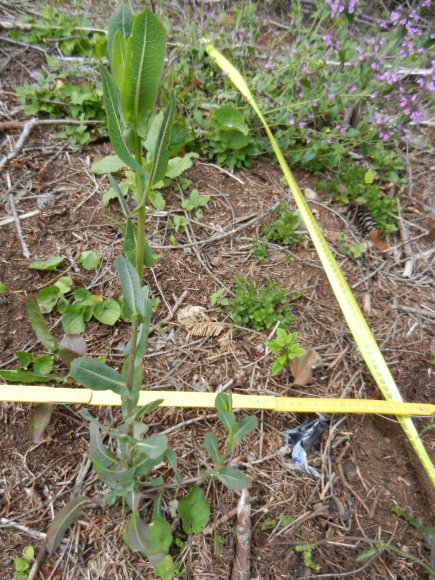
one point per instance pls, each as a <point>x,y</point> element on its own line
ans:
<point>242,563</point>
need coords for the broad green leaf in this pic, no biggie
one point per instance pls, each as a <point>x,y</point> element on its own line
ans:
<point>114,124</point>
<point>137,534</point>
<point>43,365</point>
<point>84,297</point>
<point>156,199</point>
<point>46,265</point>
<point>153,133</point>
<point>25,358</point>
<point>177,165</point>
<point>243,427</point>
<point>144,65</point>
<point>96,375</point>
<point>98,451</point>
<point>39,420</point>
<point>107,312</point>
<point>233,478</point>
<point>211,444</point>
<point>119,54</point>
<point>21,376</point>
<point>89,260</point>
<point>29,553</point>
<point>147,409</point>
<point>119,473</point>
<point>194,511</point>
<point>39,326</point>
<point>107,165</point>
<point>161,154</point>
<point>160,540</point>
<point>21,565</point>
<point>64,284</point>
<point>73,321</point>
<point>228,118</point>
<point>47,298</point>
<point>130,283</point>
<point>121,20</point>
<point>64,518</point>
<point>3,288</point>
<point>130,242</point>
<point>70,347</point>
<point>167,569</point>
<point>153,446</point>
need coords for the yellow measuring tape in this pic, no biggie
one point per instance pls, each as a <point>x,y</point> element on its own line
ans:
<point>183,399</point>
<point>357,324</point>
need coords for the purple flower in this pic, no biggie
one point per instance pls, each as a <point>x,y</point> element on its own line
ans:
<point>35,74</point>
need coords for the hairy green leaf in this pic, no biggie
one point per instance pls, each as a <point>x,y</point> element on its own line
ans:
<point>121,20</point>
<point>228,420</point>
<point>144,65</point>
<point>161,151</point>
<point>136,535</point>
<point>147,409</point>
<point>211,444</point>
<point>242,428</point>
<point>130,242</point>
<point>130,283</point>
<point>96,375</point>
<point>233,478</point>
<point>114,123</point>
<point>153,446</point>
<point>119,54</point>
<point>64,518</point>
<point>194,511</point>
<point>97,450</point>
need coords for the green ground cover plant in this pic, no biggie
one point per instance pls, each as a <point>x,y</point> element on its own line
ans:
<point>259,307</point>
<point>282,230</point>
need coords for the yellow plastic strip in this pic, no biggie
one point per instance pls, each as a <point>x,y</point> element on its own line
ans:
<point>184,399</point>
<point>357,324</point>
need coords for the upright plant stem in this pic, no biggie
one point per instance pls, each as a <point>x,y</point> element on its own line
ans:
<point>140,246</point>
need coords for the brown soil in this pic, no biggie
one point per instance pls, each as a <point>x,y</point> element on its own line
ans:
<point>367,466</point>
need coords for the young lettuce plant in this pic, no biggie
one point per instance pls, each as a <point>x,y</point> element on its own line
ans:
<point>136,49</point>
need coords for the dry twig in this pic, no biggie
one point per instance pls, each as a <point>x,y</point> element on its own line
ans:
<point>242,563</point>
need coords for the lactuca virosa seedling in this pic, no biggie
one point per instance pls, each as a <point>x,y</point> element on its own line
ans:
<point>136,50</point>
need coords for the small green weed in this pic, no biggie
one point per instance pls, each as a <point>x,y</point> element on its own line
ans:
<point>355,251</point>
<point>218,298</point>
<point>259,307</point>
<point>354,184</point>
<point>287,349</point>
<point>230,142</point>
<point>307,553</point>
<point>283,229</point>
<point>195,202</point>
<point>59,95</point>
<point>178,224</point>
<point>72,35</point>
<point>22,563</point>
<point>260,250</point>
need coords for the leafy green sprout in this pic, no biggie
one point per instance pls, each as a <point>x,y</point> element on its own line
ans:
<point>355,251</point>
<point>23,563</point>
<point>286,348</point>
<point>136,50</point>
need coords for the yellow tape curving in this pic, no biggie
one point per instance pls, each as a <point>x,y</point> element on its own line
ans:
<point>357,324</point>
<point>186,399</point>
